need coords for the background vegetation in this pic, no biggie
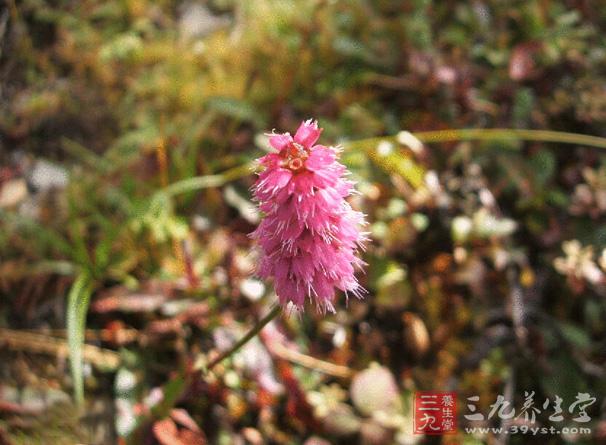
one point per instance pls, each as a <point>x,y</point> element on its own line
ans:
<point>126,132</point>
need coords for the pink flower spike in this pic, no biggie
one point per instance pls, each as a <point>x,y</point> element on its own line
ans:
<point>308,133</point>
<point>309,236</point>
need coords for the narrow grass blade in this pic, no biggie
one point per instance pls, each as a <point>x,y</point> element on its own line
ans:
<point>77,306</point>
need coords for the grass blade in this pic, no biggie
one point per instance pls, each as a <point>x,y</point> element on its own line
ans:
<point>77,306</point>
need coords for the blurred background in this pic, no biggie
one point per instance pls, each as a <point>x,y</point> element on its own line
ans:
<point>127,128</point>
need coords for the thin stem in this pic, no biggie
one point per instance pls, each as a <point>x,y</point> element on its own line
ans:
<point>252,333</point>
<point>208,181</point>
<point>508,133</point>
<point>465,134</point>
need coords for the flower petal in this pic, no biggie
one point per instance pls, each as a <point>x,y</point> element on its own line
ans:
<point>320,158</point>
<point>308,133</point>
<point>280,141</point>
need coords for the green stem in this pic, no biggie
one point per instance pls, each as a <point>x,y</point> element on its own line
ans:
<point>208,181</point>
<point>507,133</point>
<point>252,333</point>
<point>467,134</point>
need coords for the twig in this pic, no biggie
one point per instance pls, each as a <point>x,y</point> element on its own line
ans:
<point>125,335</point>
<point>307,361</point>
<point>43,344</point>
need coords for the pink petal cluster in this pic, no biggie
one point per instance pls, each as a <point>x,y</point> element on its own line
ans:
<point>310,234</point>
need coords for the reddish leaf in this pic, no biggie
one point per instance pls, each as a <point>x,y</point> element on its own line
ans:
<point>129,303</point>
<point>183,418</point>
<point>522,62</point>
<point>148,297</point>
<point>15,408</point>
<point>164,327</point>
<point>297,405</point>
<point>192,437</point>
<point>196,314</point>
<point>165,432</point>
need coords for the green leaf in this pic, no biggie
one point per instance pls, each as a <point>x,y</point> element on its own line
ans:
<point>543,164</point>
<point>85,155</point>
<point>394,161</point>
<point>77,306</point>
<point>171,393</point>
<point>523,104</point>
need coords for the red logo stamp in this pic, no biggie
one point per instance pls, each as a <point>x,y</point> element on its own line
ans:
<point>435,412</point>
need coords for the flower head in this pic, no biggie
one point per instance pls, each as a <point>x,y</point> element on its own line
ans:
<point>310,235</point>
